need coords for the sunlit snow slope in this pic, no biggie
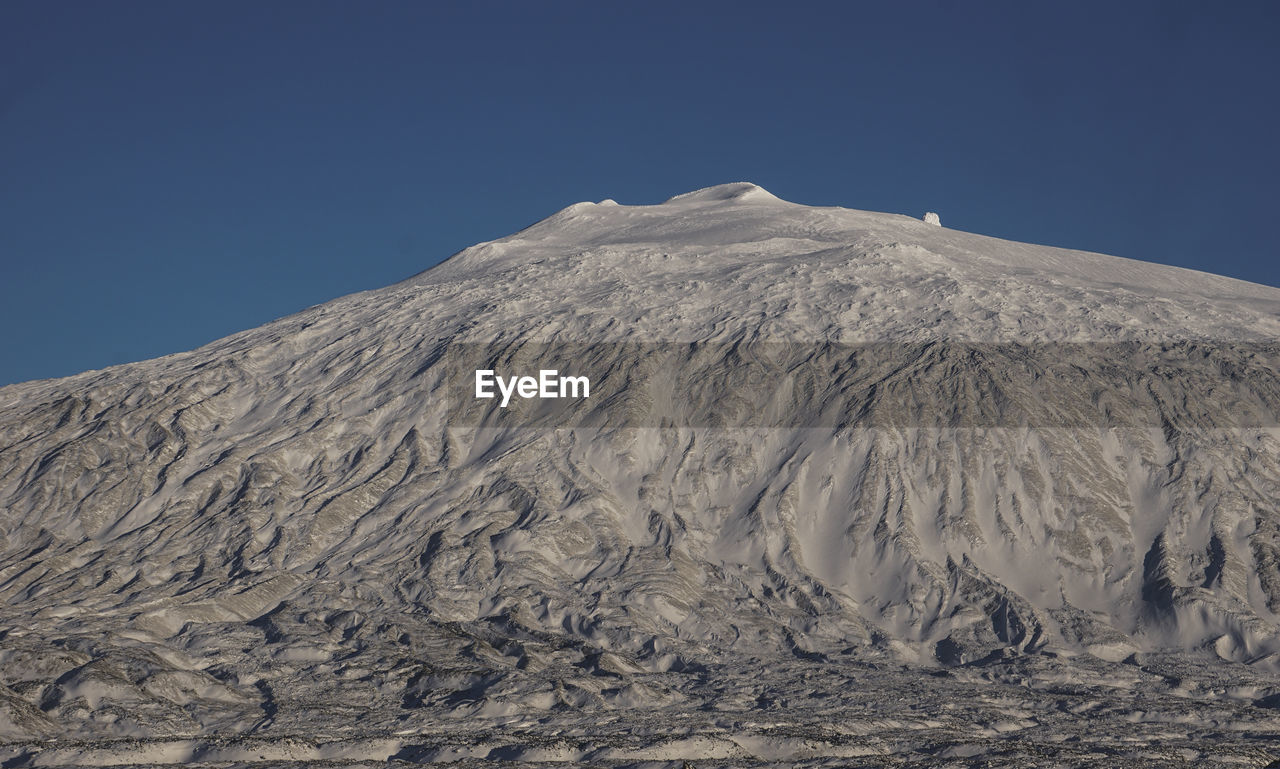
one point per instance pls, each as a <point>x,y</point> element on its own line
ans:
<point>295,520</point>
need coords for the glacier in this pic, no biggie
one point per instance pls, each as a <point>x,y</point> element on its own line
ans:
<point>849,489</point>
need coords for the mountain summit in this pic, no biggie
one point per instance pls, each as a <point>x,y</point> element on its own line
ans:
<point>730,256</point>
<point>737,192</point>
<point>819,445</point>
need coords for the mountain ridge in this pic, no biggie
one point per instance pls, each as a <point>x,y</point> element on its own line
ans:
<point>488,255</point>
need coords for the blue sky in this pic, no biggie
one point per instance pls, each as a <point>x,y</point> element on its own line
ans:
<point>174,172</point>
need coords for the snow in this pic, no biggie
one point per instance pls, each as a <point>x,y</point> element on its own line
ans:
<point>737,192</point>
<point>296,542</point>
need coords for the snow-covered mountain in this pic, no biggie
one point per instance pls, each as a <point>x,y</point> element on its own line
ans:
<point>820,444</point>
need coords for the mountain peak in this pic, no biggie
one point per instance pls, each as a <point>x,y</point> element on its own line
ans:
<point>818,272</point>
<point>736,192</point>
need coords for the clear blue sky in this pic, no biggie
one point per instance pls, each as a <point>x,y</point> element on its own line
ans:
<point>172,172</point>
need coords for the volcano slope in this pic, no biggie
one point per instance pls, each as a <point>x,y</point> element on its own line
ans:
<point>848,489</point>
